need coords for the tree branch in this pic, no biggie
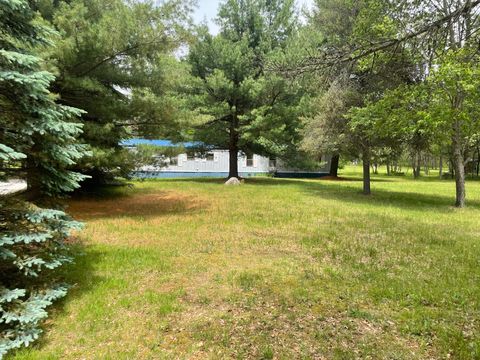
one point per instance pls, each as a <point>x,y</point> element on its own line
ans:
<point>316,63</point>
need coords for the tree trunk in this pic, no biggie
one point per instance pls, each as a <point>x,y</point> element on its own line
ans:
<point>459,166</point>
<point>414,166</point>
<point>233,163</point>
<point>426,164</point>
<point>366,171</point>
<point>334,165</point>
<point>440,167</point>
<point>233,150</point>
<point>478,161</point>
<point>34,184</point>
<point>419,165</point>
<point>388,168</point>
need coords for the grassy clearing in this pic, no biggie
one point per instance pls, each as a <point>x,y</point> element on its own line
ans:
<point>278,269</point>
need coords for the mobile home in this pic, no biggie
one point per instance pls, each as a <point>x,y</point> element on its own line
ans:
<point>215,163</point>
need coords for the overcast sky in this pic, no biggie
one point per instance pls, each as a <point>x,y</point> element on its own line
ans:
<point>207,9</point>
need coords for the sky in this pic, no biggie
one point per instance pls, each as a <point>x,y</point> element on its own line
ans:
<point>207,10</point>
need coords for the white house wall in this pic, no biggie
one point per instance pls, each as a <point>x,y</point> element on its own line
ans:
<point>220,165</point>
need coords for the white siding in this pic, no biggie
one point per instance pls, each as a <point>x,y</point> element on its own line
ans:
<point>218,164</point>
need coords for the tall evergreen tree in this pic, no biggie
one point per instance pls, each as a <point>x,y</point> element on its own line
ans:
<point>246,109</point>
<point>37,143</point>
<point>115,60</point>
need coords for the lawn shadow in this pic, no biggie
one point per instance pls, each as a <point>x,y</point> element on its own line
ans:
<point>342,191</point>
<point>103,192</point>
<point>380,197</point>
<point>267,180</point>
<point>199,180</point>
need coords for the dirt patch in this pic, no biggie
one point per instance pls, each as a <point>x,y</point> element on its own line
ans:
<point>144,205</point>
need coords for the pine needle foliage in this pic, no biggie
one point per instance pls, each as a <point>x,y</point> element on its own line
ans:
<point>38,144</point>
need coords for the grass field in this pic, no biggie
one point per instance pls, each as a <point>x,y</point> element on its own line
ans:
<point>273,269</point>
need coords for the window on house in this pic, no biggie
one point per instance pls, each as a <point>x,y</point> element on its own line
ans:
<point>210,157</point>
<point>249,159</point>
<point>272,162</point>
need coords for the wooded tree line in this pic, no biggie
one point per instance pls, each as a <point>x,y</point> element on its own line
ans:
<point>403,77</point>
<point>377,80</point>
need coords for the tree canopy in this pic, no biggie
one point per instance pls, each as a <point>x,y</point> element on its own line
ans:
<point>396,51</point>
<point>245,109</point>
<point>115,60</point>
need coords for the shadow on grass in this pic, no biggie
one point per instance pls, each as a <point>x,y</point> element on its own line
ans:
<point>380,197</point>
<point>386,198</point>
<point>265,179</point>
<point>80,274</point>
<point>344,192</point>
<point>116,202</point>
<point>103,192</point>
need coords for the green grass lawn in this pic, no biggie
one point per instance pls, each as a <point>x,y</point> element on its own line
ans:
<point>272,269</point>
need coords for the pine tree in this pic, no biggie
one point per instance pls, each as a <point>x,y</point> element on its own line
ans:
<point>245,109</point>
<point>37,143</point>
<point>122,78</point>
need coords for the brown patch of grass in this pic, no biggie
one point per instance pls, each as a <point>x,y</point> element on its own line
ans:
<point>142,205</point>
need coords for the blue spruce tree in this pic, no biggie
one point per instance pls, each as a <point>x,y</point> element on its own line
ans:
<point>38,144</point>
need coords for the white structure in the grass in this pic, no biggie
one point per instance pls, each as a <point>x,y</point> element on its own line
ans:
<point>217,161</point>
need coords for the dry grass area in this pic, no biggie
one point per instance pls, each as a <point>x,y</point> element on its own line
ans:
<point>272,269</point>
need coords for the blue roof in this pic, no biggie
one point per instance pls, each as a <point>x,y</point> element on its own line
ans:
<point>163,143</point>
